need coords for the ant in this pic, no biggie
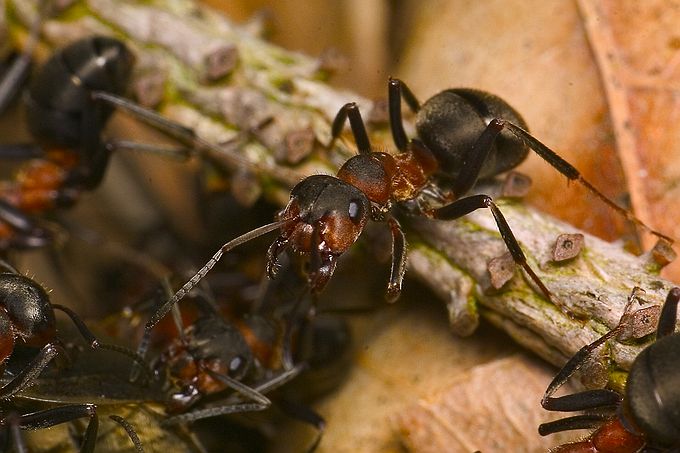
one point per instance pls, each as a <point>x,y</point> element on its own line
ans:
<point>463,135</point>
<point>645,418</point>
<point>219,366</point>
<point>27,318</point>
<point>68,104</point>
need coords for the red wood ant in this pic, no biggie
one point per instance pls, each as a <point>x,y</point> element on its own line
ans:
<point>68,103</point>
<point>645,418</point>
<point>27,319</point>
<point>214,356</point>
<point>464,135</point>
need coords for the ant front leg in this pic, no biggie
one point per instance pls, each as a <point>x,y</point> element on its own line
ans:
<point>26,376</point>
<point>464,206</point>
<point>398,268</point>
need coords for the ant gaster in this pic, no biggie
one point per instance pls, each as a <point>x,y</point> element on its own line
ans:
<point>464,135</point>
<point>645,418</point>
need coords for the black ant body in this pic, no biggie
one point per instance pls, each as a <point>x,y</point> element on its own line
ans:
<point>645,418</point>
<point>27,319</point>
<point>68,103</point>
<point>464,135</point>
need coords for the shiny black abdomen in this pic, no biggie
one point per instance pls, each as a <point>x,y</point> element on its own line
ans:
<point>653,392</point>
<point>450,122</point>
<point>59,94</point>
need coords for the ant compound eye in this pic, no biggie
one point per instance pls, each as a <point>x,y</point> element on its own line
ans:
<point>355,211</point>
<point>236,365</point>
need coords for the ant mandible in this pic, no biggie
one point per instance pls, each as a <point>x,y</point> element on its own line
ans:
<point>646,416</point>
<point>464,135</point>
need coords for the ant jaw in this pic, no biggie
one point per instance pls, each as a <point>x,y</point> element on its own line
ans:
<point>277,247</point>
<point>319,277</point>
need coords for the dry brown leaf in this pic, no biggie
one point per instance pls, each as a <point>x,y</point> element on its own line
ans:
<point>405,353</point>
<point>637,50</point>
<point>492,408</point>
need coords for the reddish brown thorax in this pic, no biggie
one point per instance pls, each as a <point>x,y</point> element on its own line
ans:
<point>414,169</point>
<point>384,177</point>
<point>611,437</point>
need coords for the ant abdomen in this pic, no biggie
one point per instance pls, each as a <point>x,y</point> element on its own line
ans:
<point>450,122</point>
<point>652,381</point>
<point>60,93</point>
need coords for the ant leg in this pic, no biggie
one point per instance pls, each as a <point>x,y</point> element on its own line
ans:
<point>95,159</point>
<point>474,160</point>
<point>306,415</point>
<point>183,134</point>
<point>92,171</point>
<point>669,314</point>
<point>591,398</point>
<point>13,423</point>
<point>585,421</point>
<point>94,343</point>
<point>153,119</point>
<point>566,169</point>
<point>24,378</point>
<point>464,206</point>
<point>220,154</point>
<point>132,434</point>
<point>396,90</point>
<point>29,234</point>
<point>21,151</point>
<point>64,414</point>
<point>398,268</point>
<point>351,111</point>
<point>17,74</point>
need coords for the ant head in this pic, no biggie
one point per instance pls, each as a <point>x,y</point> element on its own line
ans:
<point>324,217</point>
<point>209,344</point>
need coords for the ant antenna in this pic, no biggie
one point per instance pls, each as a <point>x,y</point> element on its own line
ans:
<point>202,272</point>
<point>94,343</point>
